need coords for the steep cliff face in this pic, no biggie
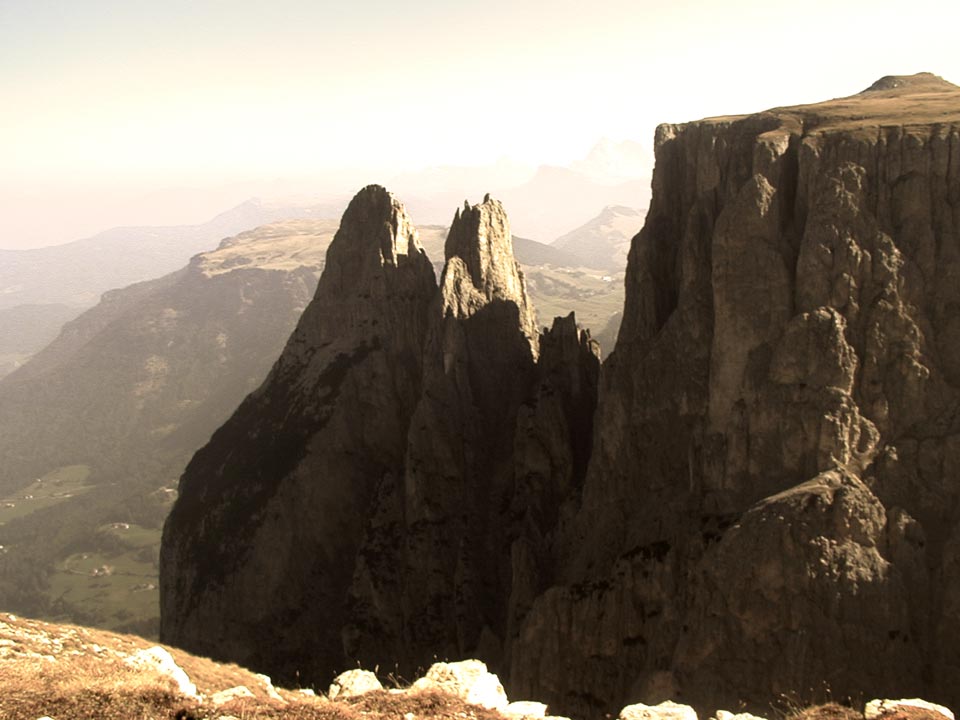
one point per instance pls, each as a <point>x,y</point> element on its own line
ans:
<point>765,500</point>
<point>479,360</point>
<point>358,506</point>
<point>258,550</point>
<point>771,502</point>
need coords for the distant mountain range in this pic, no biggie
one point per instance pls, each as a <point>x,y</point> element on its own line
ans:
<point>78,272</point>
<point>41,289</point>
<point>543,202</point>
<point>96,428</point>
<point>59,281</point>
<point>25,329</point>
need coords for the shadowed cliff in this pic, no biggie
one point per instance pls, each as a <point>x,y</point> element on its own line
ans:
<point>357,506</point>
<point>764,500</point>
<point>770,503</point>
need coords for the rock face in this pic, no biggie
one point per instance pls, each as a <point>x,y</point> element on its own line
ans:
<point>259,549</point>
<point>771,499</point>
<point>765,498</point>
<point>357,506</point>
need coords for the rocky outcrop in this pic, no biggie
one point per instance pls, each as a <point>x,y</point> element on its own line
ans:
<point>358,505</point>
<point>770,501</point>
<point>763,501</point>
<point>259,550</point>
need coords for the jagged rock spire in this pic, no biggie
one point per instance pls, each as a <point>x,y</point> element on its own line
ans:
<point>375,232</point>
<point>275,505</point>
<point>481,266</point>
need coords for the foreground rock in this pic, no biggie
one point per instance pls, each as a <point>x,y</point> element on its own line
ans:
<point>64,671</point>
<point>878,708</point>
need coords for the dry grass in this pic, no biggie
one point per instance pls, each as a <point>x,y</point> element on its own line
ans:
<point>828,711</point>
<point>68,672</point>
<point>283,245</point>
<point>910,101</point>
<point>834,711</point>
<point>83,687</point>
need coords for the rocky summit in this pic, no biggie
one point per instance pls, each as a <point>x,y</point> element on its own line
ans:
<point>358,504</point>
<point>756,497</point>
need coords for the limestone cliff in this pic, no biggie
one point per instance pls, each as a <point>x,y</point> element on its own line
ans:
<point>772,503</point>
<point>765,500</point>
<point>358,506</point>
<point>258,550</point>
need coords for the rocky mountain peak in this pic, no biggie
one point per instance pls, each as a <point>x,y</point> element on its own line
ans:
<point>481,268</point>
<point>351,507</point>
<point>375,232</point>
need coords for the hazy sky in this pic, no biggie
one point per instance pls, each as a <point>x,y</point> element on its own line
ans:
<point>101,100</point>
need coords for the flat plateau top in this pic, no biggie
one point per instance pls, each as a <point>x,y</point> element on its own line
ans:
<point>896,100</point>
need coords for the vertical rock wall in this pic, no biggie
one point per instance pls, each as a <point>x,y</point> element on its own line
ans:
<point>765,501</point>
<point>770,506</point>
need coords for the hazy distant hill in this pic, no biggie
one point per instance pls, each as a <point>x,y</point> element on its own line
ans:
<point>25,329</point>
<point>610,162</point>
<point>76,273</point>
<point>604,241</point>
<point>41,289</point>
<point>557,199</point>
<point>543,202</point>
<point>96,428</point>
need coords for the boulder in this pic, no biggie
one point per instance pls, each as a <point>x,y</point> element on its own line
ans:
<point>877,708</point>
<point>238,692</point>
<point>469,680</point>
<point>667,710</point>
<point>161,661</point>
<point>352,683</point>
<point>522,709</point>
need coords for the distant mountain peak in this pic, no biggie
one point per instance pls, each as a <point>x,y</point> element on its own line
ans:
<point>612,162</point>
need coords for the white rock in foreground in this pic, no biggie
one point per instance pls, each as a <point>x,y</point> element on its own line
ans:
<point>468,680</point>
<point>727,715</point>
<point>525,709</point>
<point>162,661</point>
<point>875,708</point>
<point>268,686</point>
<point>231,694</point>
<point>668,710</point>
<point>352,683</point>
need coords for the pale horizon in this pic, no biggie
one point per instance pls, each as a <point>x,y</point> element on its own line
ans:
<point>121,107</point>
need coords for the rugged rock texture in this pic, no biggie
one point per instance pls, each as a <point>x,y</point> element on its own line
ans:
<point>479,364</point>
<point>771,501</point>
<point>357,506</point>
<point>765,499</point>
<point>259,549</point>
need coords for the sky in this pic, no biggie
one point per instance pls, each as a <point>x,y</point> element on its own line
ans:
<point>119,111</point>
